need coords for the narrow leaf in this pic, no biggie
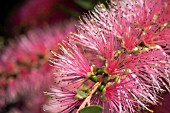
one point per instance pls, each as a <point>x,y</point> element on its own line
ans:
<point>92,109</point>
<point>80,94</point>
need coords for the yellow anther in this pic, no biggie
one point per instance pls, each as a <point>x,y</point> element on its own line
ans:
<point>103,6</point>
<point>93,21</point>
<point>71,33</point>
<point>155,17</point>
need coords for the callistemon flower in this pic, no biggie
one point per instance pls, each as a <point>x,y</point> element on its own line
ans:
<point>145,23</point>
<point>62,101</point>
<point>150,18</point>
<point>126,96</point>
<point>31,13</point>
<point>96,35</point>
<point>25,72</point>
<point>72,61</point>
<point>149,72</point>
<point>134,71</point>
<point>72,71</point>
<point>150,64</point>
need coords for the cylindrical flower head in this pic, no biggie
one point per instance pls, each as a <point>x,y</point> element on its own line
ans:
<point>135,64</point>
<point>96,33</point>
<point>133,22</point>
<point>25,69</point>
<point>72,61</point>
<point>37,13</point>
<point>62,101</point>
<point>150,18</point>
<point>127,95</point>
<point>152,66</point>
<point>72,67</point>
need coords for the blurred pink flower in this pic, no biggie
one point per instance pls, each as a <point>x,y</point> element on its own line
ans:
<point>37,13</point>
<point>25,71</point>
<point>31,12</point>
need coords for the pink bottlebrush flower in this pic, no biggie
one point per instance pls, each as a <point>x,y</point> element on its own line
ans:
<point>38,13</point>
<point>72,67</point>
<point>3,83</point>
<point>32,13</point>
<point>105,36</point>
<point>26,70</point>
<point>72,61</point>
<point>149,72</point>
<point>62,101</point>
<point>127,95</point>
<point>134,69</point>
<point>138,74</point>
<point>151,65</point>
<point>150,17</point>
<point>23,92</point>
<point>158,37</point>
<point>95,34</point>
<point>145,13</point>
<point>129,31</point>
<point>133,84</point>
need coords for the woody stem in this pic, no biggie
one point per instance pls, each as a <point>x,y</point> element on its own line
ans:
<point>87,100</point>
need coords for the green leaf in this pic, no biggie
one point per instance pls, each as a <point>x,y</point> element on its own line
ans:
<point>89,4</point>
<point>92,109</point>
<point>86,4</point>
<point>80,94</point>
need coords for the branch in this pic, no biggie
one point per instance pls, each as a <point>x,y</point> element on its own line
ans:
<point>87,100</point>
